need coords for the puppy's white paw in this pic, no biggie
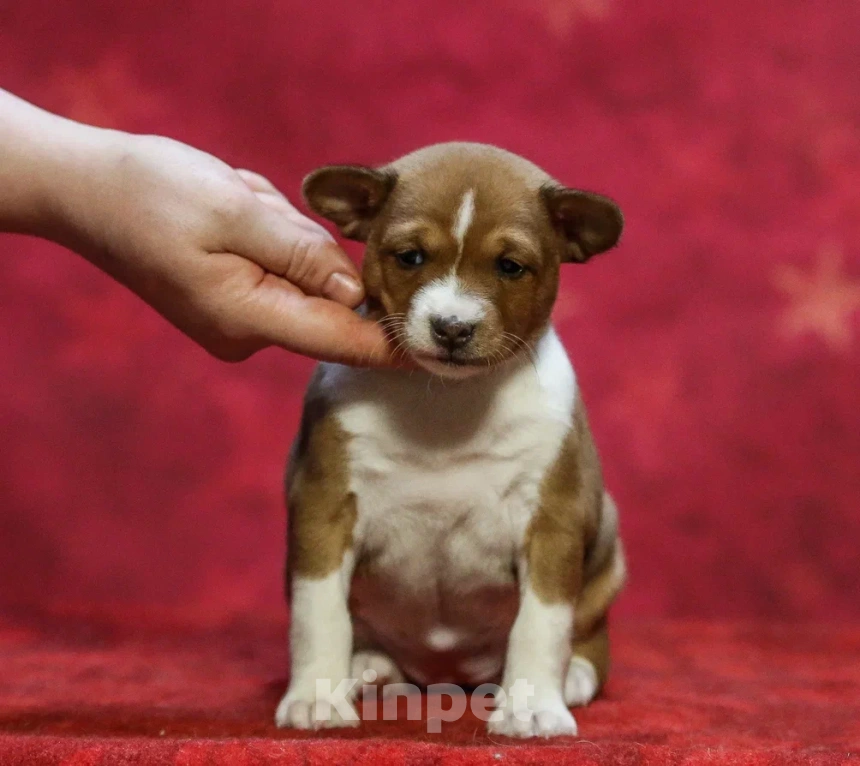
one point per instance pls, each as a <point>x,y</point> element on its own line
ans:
<point>303,709</point>
<point>542,718</point>
<point>580,686</point>
<point>373,669</point>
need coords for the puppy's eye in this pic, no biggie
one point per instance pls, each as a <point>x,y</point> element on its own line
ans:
<point>411,259</point>
<point>509,268</point>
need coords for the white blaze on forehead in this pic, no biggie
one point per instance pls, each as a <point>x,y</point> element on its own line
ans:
<point>446,297</point>
<point>463,219</point>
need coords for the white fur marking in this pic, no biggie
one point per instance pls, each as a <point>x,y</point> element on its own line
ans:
<point>321,649</point>
<point>481,668</point>
<point>446,485</point>
<point>580,686</point>
<point>444,297</point>
<point>538,653</point>
<point>463,220</point>
<point>450,371</point>
<point>539,643</point>
<point>374,669</point>
<point>447,297</point>
<point>442,639</point>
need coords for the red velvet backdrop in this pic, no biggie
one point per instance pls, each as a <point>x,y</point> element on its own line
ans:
<point>718,348</point>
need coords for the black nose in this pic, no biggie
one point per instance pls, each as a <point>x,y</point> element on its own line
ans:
<point>451,332</point>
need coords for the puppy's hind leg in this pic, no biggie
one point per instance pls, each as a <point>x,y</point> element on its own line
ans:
<point>588,667</point>
<point>605,575</point>
<point>372,666</point>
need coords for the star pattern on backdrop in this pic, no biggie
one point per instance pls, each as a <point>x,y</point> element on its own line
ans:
<point>560,16</point>
<point>821,301</point>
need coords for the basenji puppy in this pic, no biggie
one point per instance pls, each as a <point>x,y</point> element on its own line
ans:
<point>448,523</point>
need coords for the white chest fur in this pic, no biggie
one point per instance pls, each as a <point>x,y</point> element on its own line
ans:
<point>447,477</point>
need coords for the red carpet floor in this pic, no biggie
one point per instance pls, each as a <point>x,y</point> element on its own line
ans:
<point>84,693</point>
<point>718,347</point>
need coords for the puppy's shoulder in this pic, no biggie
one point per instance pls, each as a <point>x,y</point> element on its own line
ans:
<point>320,437</point>
<point>571,493</point>
<point>322,512</point>
<point>576,468</point>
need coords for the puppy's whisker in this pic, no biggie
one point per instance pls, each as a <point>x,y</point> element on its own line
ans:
<point>508,347</point>
<point>512,342</point>
<point>376,346</point>
<point>392,318</point>
<point>393,332</point>
<point>401,347</point>
<point>524,346</point>
<point>392,323</point>
<point>499,353</point>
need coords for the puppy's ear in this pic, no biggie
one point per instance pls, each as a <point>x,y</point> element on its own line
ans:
<point>350,196</point>
<point>590,223</point>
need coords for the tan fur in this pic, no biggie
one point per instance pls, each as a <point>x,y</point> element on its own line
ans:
<point>567,519</point>
<point>520,213</point>
<point>572,545</point>
<point>594,647</point>
<point>322,511</point>
<point>510,219</point>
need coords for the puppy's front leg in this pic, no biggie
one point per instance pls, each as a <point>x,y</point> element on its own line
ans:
<point>320,653</point>
<point>320,561</point>
<point>539,646</point>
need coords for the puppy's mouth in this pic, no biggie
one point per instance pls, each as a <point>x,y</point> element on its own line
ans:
<point>452,359</point>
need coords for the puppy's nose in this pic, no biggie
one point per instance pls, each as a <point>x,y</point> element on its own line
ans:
<point>451,332</point>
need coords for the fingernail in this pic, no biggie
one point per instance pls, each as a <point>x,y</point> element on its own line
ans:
<point>343,289</point>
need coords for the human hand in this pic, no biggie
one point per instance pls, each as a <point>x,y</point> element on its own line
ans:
<point>218,252</point>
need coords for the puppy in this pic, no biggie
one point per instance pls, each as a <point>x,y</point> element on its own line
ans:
<point>450,524</point>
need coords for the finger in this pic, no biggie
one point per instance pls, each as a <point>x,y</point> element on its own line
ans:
<point>308,260</point>
<point>267,192</point>
<point>282,205</point>
<point>314,327</point>
<point>258,183</point>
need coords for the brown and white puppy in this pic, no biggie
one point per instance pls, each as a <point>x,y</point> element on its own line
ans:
<point>450,524</point>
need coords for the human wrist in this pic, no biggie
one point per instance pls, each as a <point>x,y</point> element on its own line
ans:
<point>69,165</point>
<point>32,145</point>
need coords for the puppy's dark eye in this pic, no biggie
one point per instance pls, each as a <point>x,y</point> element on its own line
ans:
<point>411,259</point>
<point>509,268</point>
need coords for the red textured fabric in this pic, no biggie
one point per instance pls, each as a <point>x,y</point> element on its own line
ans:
<point>717,350</point>
<point>85,692</point>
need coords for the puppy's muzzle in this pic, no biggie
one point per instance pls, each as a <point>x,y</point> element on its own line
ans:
<point>451,333</point>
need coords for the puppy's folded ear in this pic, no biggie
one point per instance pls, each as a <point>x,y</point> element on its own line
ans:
<point>350,196</point>
<point>590,223</point>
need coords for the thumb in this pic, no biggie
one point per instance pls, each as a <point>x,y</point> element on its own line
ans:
<point>300,251</point>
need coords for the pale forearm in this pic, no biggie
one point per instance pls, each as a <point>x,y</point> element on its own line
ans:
<point>220,253</point>
<point>39,153</point>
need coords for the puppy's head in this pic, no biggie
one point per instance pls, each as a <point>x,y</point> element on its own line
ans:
<point>464,245</point>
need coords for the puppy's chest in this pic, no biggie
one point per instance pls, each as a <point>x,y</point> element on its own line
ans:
<point>446,485</point>
<point>428,522</point>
